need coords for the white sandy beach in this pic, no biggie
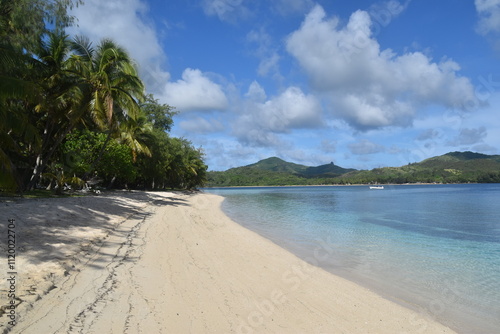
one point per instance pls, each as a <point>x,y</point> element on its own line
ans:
<point>160,262</point>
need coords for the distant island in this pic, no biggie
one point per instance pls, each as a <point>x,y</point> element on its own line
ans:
<point>453,167</point>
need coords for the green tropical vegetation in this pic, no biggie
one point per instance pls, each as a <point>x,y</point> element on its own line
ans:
<point>76,114</point>
<point>454,167</point>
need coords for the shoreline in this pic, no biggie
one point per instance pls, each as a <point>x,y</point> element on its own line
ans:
<point>441,294</point>
<point>173,262</point>
<point>343,185</point>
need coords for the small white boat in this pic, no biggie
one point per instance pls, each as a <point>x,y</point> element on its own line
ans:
<point>376,187</point>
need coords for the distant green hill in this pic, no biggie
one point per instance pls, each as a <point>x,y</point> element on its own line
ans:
<point>275,164</point>
<point>454,167</point>
<point>329,170</point>
<point>273,172</point>
<point>465,161</point>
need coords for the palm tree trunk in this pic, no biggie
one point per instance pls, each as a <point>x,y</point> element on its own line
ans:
<point>112,182</point>
<point>41,160</point>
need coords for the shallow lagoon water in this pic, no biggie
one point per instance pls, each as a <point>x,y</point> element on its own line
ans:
<point>434,248</point>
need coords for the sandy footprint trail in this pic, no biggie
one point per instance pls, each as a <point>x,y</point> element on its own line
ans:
<point>61,243</point>
<point>179,265</point>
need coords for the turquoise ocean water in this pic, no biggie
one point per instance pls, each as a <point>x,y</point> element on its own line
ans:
<point>433,248</point>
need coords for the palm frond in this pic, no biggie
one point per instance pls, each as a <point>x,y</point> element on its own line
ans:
<point>82,47</point>
<point>15,88</point>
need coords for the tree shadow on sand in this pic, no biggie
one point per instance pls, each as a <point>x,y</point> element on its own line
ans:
<point>71,231</point>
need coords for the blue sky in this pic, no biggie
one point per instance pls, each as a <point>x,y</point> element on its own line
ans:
<point>363,84</point>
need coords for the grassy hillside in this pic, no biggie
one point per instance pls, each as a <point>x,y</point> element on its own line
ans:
<point>454,167</point>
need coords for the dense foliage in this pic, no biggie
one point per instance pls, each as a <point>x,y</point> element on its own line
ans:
<point>75,114</point>
<point>455,167</point>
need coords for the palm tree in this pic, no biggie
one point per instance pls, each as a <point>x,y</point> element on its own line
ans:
<point>136,134</point>
<point>15,125</point>
<point>111,73</point>
<point>185,167</point>
<point>62,101</point>
<point>115,86</point>
<point>99,87</point>
<point>10,87</point>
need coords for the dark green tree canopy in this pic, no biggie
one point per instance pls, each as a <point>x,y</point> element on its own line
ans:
<point>160,115</point>
<point>24,23</point>
<point>72,110</point>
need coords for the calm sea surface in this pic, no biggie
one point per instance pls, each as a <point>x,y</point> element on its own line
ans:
<point>434,248</point>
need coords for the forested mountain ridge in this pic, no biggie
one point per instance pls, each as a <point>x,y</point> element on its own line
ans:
<point>275,164</point>
<point>453,167</point>
<point>464,161</point>
<point>274,172</point>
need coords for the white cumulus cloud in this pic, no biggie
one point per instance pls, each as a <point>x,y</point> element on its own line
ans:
<point>262,119</point>
<point>256,92</point>
<point>195,91</point>
<point>266,50</point>
<point>489,16</point>
<point>367,86</point>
